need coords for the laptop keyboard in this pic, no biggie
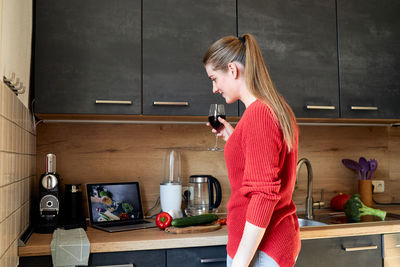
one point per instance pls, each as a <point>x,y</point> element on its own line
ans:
<point>122,223</point>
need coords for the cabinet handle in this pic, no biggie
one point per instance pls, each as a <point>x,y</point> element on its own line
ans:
<point>119,265</point>
<point>119,102</point>
<point>163,103</point>
<point>212,260</point>
<point>397,246</point>
<point>360,248</point>
<point>320,107</point>
<point>363,108</point>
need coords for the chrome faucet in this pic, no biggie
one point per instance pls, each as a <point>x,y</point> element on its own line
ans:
<point>309,198</point>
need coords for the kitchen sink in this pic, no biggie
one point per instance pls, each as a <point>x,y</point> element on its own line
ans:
<point>306,222</point>
<point>330,218</point>
<point>340,218</point>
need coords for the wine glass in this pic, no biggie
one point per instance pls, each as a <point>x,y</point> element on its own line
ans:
<point>216,111</point>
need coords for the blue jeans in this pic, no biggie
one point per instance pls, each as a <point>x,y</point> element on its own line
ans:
<point>260,259</point>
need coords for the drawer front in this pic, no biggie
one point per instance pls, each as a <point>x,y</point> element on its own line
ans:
<point>346,251</point>
<point>392,245</point>
<point>144,258</point>
<point>34,261</point>
<point>197,257</point>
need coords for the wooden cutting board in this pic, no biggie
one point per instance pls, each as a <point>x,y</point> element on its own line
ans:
<point>193,229</point>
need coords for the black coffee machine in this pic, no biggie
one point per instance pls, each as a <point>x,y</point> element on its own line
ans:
<point>49,201</point>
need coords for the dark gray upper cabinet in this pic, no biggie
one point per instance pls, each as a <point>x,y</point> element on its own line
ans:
<point>369,45</point>
<point>176,35</point>
<point>86,51</point>
<point>298,42</point>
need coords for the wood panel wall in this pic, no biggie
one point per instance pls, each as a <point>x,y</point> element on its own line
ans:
<point>132,152</point>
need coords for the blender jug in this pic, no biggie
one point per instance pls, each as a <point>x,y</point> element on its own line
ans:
<point>171,187</point>
<point>201,195</point>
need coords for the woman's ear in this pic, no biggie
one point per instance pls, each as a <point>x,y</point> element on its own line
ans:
<point>233,70</point>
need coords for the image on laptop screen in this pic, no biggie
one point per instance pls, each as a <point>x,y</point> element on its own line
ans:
<point>114,202</point>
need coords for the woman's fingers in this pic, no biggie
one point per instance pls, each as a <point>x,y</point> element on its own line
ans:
<point>224,131</point>
<point>227,130</point>
<point>221,120</point>
<point>226,124</point>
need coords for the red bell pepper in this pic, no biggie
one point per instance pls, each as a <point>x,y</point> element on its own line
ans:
<point>221,221</point>
<point>163,220</point>
<point>338,201</point>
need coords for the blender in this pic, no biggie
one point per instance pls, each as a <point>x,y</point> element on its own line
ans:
<point>171,187</point>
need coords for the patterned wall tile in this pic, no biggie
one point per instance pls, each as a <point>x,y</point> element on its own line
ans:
<point>17,173</point>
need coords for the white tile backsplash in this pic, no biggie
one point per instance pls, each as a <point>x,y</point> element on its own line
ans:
<point>17,173</point>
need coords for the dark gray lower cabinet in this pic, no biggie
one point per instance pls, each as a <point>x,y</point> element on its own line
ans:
<point>345,251</point>
<point>196,257</point>
<point>185,257</point>
<point>144,258</point>
<point>42,261</point>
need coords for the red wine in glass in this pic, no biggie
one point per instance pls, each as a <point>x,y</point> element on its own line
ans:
<point>215,122</point>
<point>216,111</point>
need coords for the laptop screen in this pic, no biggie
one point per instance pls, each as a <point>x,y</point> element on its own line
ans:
<point>114,202</point>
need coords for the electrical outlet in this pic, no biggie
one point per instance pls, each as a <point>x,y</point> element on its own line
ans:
<point>379,186</point>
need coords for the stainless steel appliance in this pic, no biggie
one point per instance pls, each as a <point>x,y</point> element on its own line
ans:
<point>201,195</point>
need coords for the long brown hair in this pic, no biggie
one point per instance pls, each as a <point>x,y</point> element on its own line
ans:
<point>246,51</point>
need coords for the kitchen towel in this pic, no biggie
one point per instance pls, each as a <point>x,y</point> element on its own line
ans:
<point>70,247</point>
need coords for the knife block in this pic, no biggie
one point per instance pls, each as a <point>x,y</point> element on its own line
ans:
<point>365,191</point>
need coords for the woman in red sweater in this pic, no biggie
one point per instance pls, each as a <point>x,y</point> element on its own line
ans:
<point>260,154</point>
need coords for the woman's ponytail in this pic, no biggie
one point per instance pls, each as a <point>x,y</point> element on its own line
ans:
<point>260,85</point>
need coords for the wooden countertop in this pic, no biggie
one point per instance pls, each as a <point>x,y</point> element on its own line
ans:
<point>146,239</point>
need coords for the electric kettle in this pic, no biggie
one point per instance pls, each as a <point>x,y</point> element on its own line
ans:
<point>200,195</point>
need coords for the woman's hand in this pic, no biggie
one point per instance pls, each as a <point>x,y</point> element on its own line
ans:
<point>224,131</point>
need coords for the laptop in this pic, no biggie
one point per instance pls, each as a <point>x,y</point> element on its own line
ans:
<point>115,207</point>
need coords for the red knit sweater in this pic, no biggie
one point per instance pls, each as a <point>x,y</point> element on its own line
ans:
<point>262,176</point>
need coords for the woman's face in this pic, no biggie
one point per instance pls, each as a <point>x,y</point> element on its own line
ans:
<point>224,82</point>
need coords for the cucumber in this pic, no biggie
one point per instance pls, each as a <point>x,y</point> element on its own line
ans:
<point>194,220</point>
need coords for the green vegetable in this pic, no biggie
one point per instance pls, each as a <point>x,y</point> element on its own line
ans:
<point>102,215</point>
<point>127,207</point>
<point>104,194</point>
<point>194,220</point>
<point>354,209</point>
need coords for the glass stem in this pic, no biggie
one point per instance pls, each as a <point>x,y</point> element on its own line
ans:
<point>216,141</point>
